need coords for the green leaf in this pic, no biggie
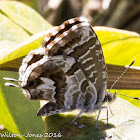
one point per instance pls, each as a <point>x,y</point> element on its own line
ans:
<point>23,48</point>
<point>24,16</point>
<point>10,36</point>
<point>6,117</point>
<point>18,114</point>
<point>132,93</point>
<point>17,23</point>
<point>121,48</point>
<point>122,125</point>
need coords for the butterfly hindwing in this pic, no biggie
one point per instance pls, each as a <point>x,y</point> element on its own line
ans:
<point>68,93</point>
<point>81,42</point>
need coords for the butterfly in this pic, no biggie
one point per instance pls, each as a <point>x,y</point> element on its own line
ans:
<point>68,70</point>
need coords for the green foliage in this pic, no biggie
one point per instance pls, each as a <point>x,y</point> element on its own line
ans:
<point>21,30</point>
<point>17,114</point>
<point>17,23</point>
<point>121,48</point>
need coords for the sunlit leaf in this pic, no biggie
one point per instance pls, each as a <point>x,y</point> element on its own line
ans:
<point>17,23</point>
<point>24,16</point>
<point>121,48</point>
<point>23,48</point>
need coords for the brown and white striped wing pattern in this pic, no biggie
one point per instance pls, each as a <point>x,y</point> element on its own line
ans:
<point>68,70</point>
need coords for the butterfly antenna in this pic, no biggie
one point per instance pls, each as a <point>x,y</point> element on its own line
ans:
<point>122,74</point>
<point>136,98</point>
<point>129,96</point>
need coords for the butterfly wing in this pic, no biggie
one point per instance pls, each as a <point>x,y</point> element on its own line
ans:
<point>69,70</point>
<point>81,43</point>
<point>68,95</point>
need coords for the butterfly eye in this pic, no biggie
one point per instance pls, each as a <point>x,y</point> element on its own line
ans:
<point>31,84</point>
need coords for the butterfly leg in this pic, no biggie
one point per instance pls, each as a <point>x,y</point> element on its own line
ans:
<point>50,108</point>
<point>106,113</point>
<point>110,109</point>
<point>78,115</point>
<point>99,115</point>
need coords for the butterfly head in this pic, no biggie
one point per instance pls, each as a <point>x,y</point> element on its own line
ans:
<point>39,85</point>
<point>34,76</point>
<point>109,97</point>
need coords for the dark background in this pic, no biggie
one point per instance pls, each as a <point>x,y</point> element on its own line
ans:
<point>122,14</point>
